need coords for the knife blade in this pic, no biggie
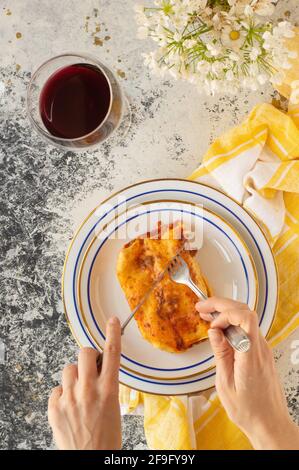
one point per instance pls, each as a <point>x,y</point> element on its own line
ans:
<point>147,294</point>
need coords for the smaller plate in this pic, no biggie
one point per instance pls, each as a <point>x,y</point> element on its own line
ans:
<point>224,260</point>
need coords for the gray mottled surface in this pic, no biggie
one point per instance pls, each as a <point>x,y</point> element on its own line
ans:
<point>46,192</point>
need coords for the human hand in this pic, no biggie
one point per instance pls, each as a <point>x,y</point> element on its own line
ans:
<point>84,412</point>
<point>247,383</point>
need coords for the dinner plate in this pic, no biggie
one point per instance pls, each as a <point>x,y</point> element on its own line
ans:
<point>224,259</point>
<point>171,189</point>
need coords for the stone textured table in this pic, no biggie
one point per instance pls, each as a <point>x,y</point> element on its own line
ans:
<point>46,192</point>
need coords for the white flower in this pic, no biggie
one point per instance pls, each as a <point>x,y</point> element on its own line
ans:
<point>230,75</point>
<point>177,37</point>
<point>234,56</point>
<point>233,36</point>
<point>254,53</point>
<point>214,49</point>
<point>251,7</point>
<point>274,44</point>
<point>175,73</point>
<point>152,60</point>
<point>148,58</point>
<point>180,17</point>
<point>262,78</point>
<point>222,19</point>
<point>202,41</point>
<point>253,70</point>
<point>193,5</point>
<point>161,32</point>
<point>217,69</point>
<point>237,6</point>
<point>161,19</point>
<point>261,7</point>
<point>213,86</point>
<point>285,29</point>
<point>248,10</point>
<point>189,43</point>
<point>269,40</point>
<point>203,67</point>
<point>201,3</point>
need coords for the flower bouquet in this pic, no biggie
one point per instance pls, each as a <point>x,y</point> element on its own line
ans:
<point>217,44</point>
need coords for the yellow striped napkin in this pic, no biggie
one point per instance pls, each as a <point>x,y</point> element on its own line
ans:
<point>257,163</point>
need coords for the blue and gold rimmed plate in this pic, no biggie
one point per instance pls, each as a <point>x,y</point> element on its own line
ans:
<point>187,191</point>
<point>224,259</point>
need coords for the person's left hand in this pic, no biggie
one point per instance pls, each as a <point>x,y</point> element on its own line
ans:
<point>84,412</point>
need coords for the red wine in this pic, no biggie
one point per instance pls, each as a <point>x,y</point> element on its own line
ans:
<point>74,101</point>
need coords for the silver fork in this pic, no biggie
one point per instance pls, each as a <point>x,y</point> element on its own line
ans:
<point>179,272</point>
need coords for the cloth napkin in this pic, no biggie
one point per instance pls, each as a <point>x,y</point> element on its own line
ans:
<point>256,163</point>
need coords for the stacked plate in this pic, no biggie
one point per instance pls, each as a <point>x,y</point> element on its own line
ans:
<point>234,256</point>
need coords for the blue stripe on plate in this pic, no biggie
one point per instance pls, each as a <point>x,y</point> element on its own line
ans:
<point>103,243</point>
<point>184,191</point>
<point>170,383</point>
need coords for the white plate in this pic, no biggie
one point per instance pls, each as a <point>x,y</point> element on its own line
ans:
<point>188,191</point>
<point>224,259</point>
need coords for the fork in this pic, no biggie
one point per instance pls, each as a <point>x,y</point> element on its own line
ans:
<point>179,272</point>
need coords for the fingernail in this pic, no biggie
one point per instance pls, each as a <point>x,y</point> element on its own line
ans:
<point>206,316</point>
<point>114,321</point>
<point>199,303</point>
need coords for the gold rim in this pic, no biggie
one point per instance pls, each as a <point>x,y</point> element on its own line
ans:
<point>202,339</point>
<point>152,181</point>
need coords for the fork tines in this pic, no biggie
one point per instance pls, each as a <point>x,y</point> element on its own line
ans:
<point>174,263</point>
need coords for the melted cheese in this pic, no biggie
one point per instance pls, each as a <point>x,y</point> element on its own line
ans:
<point>168,318</point>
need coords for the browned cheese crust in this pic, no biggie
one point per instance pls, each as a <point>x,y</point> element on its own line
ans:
<point>168,318</point>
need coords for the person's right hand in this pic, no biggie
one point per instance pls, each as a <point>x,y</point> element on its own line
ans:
<point>247,383</point>
<point>84,412</point>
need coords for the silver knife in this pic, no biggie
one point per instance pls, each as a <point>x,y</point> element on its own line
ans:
<point>146,295</point>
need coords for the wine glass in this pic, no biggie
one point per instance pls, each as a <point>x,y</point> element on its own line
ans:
<point>47,77</point>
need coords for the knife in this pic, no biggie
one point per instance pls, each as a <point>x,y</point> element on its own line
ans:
<point>147,294</point>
